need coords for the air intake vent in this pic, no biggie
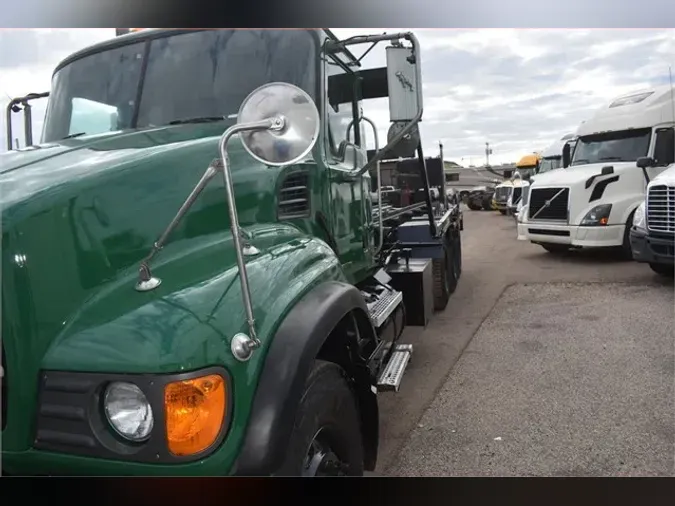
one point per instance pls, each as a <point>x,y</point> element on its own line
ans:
<point>294,196</point>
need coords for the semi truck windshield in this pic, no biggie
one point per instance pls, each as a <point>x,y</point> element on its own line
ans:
<point>187,75</point>
<point>624,146</point>
<point>549,164</point>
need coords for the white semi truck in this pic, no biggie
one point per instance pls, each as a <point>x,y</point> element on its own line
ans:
<point>591,203</point>
<point>652,236</point>
<point>551,159</point>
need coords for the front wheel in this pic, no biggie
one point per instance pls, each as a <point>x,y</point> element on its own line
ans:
<point>326,438</point>
<point>667,271</point>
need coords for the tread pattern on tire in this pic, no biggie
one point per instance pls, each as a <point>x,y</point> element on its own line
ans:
<point>328,387</point>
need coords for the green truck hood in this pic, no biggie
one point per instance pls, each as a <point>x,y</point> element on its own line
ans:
<point>78,217</point>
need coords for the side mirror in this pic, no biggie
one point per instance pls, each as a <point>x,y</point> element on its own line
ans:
<point>566,156</point>
<point>293,139</point>
<point>404,81</point>
<point>644,162</point>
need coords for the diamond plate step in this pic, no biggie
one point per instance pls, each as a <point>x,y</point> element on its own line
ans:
<point>390,379</point>
<point>384,306</point>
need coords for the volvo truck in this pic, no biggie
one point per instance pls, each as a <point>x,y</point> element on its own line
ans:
<point>201,281</point>
<point>591,203</point>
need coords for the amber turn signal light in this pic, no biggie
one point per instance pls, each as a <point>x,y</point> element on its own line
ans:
<point>195,411</point>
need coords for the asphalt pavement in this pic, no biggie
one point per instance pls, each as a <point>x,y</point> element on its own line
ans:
<point>539,366</point>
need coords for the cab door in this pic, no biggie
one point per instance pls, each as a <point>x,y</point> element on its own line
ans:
<point>350,202</point>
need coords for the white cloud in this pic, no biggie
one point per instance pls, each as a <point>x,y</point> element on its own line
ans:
<point>519,89</point>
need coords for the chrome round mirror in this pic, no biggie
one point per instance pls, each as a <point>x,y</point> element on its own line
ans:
<point>300,130</point>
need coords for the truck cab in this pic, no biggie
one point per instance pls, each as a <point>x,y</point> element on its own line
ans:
<point>197,279</point>
<point>527,166</point>
<point>653,232</point>
<point>591,203</point>
<point>501,196</point>
<point>551,159</point>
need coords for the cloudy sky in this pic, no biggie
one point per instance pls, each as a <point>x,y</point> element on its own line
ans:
<point>517,89</point>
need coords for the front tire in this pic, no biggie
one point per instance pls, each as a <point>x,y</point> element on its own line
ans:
<point>667,271</point>
<point>326,438</point>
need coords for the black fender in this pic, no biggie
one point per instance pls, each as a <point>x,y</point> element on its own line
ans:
<point>291,355</point>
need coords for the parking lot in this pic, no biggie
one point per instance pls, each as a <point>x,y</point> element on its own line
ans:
<point>540,366</point>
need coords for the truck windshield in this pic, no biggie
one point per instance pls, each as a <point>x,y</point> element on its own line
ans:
<point>200,74</point>
<point>623,146</point>
<point>547,164</point>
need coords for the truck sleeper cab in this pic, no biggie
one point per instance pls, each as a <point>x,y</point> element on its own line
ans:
<point>591,203</point>
<point>162,343</point>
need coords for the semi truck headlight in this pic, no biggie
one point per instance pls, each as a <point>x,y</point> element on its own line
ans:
<point>639,218</point>
<point>128,411</point>
<point>599,215</point>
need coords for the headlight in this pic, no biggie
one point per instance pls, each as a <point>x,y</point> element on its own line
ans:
<point>599,215</point>
<point>639,218</point>
<point>128,411</point>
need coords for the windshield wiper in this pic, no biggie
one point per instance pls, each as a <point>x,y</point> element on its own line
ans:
<point>204,119</point>
<point>579,160</point>
<point>608,158</point>
<point>71,136</point>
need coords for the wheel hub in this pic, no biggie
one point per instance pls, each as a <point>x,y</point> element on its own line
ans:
<point>321,460</point>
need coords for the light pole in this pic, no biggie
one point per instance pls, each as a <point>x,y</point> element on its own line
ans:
<point>488,152</point>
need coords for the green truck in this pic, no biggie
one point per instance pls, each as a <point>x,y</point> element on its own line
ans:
<point>198,274</point>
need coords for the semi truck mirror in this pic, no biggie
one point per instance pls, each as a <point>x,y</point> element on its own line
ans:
<point>298,134</point>
<point>645,162</point>
<point>404,81</point>
<point>566,155</point>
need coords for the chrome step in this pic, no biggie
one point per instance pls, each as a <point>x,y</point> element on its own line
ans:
<point>385,305</point>
<point>391,376</point>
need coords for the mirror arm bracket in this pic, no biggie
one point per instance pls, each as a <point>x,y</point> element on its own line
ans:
<point>146,281</point>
